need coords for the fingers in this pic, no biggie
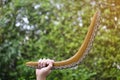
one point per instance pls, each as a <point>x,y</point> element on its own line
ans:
<point>50,64</point>
<point>45,63</point>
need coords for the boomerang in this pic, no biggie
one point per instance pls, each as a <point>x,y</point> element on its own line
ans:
<point>83,50</point>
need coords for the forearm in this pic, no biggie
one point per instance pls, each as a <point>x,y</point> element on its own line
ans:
<point>40,78</point>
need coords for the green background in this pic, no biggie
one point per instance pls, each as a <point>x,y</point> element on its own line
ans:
<point>55,29</point>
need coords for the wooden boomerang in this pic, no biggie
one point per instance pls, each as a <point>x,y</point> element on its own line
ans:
<point>83,50</point>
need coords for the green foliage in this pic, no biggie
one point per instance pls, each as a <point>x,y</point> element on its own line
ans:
<point>33,29</point>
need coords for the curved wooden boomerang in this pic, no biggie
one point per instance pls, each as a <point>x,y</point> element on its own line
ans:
<point>83,50</point>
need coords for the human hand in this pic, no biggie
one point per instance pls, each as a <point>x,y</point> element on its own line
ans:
<point>44,66</point>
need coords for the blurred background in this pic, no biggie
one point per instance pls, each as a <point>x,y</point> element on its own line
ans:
<point>55,29</point>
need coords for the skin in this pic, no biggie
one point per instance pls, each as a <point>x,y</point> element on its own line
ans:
<point>44,66</point>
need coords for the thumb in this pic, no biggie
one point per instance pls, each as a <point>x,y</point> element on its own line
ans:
<point>50,65</point>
